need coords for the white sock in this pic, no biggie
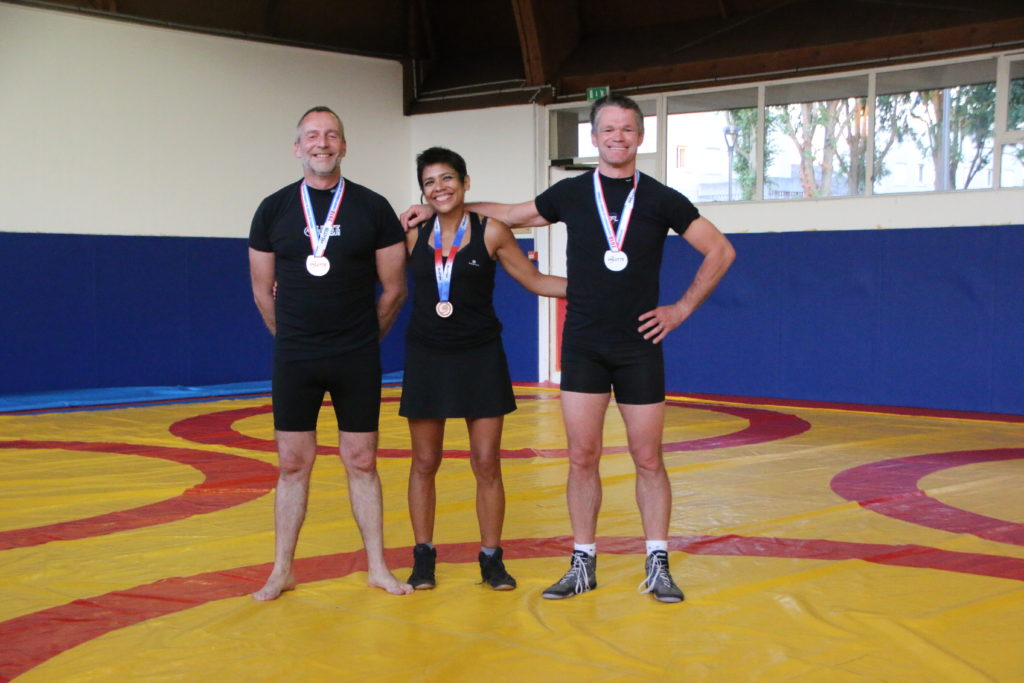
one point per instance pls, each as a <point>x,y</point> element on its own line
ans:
<point>488,551</point>
<point>588,548</point>
<point>656,545</point>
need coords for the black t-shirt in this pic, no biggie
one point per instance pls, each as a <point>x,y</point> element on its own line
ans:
<point>319,317</point>
<point>473,321</point>
<point>603,306</point>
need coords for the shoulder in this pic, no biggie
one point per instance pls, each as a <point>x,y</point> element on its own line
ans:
<point>651,187</point>
<point>565,193</point>
<point>282,195</point>
<point>363,193</point>
<point>274,206</point>
<point>496,234</point>
<point>583,179</point>
<point>673,207</point>
<point>649,184</point>
<point>492,227</point>
<point>573,184</point>
<point>373,206</point>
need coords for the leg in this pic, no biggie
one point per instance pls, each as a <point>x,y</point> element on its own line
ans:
<point>359,454</point>
<point>485,458</point>
<point>583,415</point>
<point>296,453</point>
<point>427,445</point>
<point>644,428</point>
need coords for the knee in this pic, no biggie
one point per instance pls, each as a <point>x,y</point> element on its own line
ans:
<point>584,458</point>
<point>649,463</point>
<point>292,466</point>
<point>360,462</point>
<point>425,465</point>
<point>487,469</point>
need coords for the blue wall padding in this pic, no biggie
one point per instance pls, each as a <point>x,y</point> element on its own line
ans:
<point>84,311</point>
<point>929,318</point>
<point>518,311</point>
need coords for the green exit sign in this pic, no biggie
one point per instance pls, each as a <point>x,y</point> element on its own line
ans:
<point>597,93</point>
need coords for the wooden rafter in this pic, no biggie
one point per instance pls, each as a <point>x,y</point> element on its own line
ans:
<point>807,59</point>
<point>548,33</point>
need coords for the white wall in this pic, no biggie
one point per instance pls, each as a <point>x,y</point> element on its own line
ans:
<point>967,208</point>
<point>110,127</point>
<point>498,145</point>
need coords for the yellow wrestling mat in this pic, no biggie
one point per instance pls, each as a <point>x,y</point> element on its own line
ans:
<point>813,542</point>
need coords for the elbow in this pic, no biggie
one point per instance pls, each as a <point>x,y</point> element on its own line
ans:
<point>727,254</point>
<point>262,299</point>
<point>731,255</point>
<point>397,294</point>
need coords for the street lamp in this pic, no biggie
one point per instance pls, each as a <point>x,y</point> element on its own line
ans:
<point>731,133</point>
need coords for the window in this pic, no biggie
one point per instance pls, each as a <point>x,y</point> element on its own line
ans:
<point>680,156</point>
<point>1013,166</point>
<point>569,132</point>
<point>717,131</point>
<point>816,138</point>
<point>948,125</point>
<point>941,117</point>
<point>1015,118</point>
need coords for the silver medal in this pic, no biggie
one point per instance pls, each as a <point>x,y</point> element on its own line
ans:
<point>317,265</point>
<point>615,260</point>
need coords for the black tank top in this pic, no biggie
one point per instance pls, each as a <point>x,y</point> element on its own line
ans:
<point>473,321</point>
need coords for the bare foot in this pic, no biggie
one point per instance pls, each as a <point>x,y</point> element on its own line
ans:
<point>387,581</point>
<point>274,586</point>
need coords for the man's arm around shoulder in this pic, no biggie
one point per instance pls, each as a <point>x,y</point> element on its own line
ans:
<point>524,215</point>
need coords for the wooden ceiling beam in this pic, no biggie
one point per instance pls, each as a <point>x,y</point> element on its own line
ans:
<point>530,40</point>
<point>1006,34</point>
<point>548,34</point>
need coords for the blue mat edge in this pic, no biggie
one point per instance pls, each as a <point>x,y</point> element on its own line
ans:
<point>80,398</point>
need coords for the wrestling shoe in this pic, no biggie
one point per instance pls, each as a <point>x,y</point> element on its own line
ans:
<point>423,559</point>
<point>659,582</point>
<point>581,577</point>
<point>492,572</point>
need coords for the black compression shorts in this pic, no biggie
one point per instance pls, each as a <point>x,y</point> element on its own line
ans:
<point>637,374</point>
<point>353,381</point>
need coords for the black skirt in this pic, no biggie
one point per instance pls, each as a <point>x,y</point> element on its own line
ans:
<point>472,382</point>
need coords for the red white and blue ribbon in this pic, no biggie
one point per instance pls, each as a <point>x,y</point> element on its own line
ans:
<point>443,266</point>
<point>319,235</point>
<point>615,237</point>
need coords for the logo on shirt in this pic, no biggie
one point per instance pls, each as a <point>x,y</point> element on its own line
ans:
<point>473,262</point>
<point>335,231</point>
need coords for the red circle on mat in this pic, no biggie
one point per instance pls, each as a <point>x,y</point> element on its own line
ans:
<point>228,480</point>
<point>890,488</point>
<point>217,429</point>
<point>80,621</point>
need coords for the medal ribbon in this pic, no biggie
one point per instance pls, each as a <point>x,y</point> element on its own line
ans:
<point>443,267</point>
<point>318,236</point>
<point>615,238</point>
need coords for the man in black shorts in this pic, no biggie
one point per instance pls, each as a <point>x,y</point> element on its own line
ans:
<point>324,242</point>
<point>617,220</point>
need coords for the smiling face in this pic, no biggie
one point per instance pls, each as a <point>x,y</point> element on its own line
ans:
<point>442,188</point>
<point>617,134</point>
<point>320,146</point>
